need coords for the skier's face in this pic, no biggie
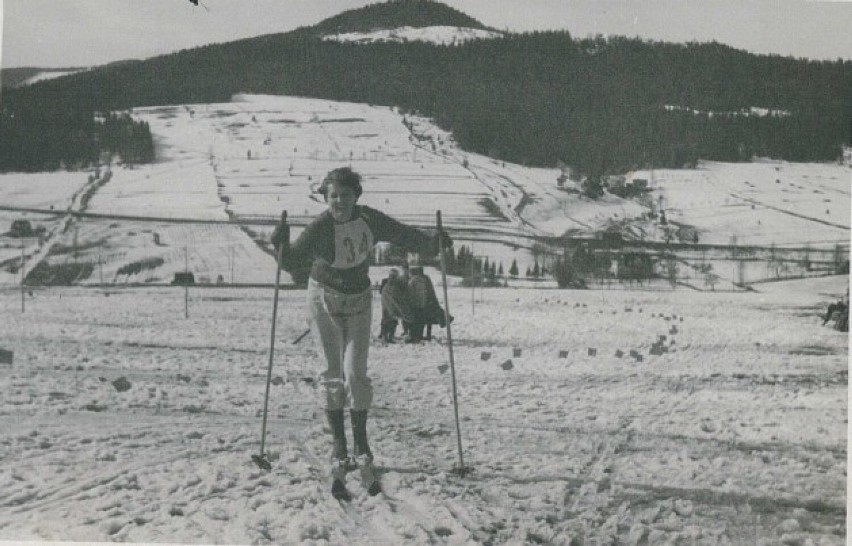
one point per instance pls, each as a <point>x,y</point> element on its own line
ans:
<point>341,202</point>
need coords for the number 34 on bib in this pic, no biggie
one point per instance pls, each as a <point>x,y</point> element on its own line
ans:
<point>353,242</point>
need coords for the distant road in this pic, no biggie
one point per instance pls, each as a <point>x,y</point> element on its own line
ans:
<point>298,221</point>
<point>164,219</point>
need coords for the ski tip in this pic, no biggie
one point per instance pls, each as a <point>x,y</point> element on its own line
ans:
<point>339,491</point>
<point>374,489</point>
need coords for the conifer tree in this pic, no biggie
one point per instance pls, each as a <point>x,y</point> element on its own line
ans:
<point>513,269</point>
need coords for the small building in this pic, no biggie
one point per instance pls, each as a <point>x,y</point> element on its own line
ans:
<point>611,239</point>
<point>640,183</point>
<point>184,278</point>
<point>640,180</point>
<point>614,181</point>
<point>565,173</point>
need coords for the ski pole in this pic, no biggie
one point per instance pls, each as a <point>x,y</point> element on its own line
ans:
<point>461,469</point>
<point>301,336</point>
<point>261,459</point>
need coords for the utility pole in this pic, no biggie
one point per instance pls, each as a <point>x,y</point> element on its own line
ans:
<point>472,289</point>
<point>23,305</point>
<point>482,278</point>
<point>186,282</point>
<point>76,233</point>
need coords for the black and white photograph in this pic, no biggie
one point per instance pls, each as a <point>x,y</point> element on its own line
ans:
<point>391,272</point>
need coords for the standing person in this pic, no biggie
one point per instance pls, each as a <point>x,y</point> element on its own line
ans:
<point>336,248</point>
<point>404,278</point>
<point>387,326</point>
<point>427,309</point>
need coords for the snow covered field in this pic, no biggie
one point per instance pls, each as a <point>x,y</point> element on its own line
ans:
<point>736,435</point>
<point>249,159</point>
<point>760,203</point>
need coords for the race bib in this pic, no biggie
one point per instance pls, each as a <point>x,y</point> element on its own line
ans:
<point>353,242</point>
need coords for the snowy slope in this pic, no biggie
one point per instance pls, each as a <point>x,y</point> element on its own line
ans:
<point>249,159</point>
<point>736,435</point>
<point>760,203</point>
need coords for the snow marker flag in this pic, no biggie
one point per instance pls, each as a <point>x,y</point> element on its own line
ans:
<point>6,356</point>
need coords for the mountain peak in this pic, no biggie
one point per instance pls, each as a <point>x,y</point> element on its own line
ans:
<point>394,14</point>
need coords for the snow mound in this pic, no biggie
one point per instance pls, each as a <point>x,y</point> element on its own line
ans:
<point>442,35</point>
<point>49,75</point>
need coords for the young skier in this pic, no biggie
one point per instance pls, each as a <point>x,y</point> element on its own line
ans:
<point>336,248</point>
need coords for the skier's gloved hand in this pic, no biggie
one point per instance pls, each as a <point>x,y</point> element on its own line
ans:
<point>441,238</point>
<point>281,235</point>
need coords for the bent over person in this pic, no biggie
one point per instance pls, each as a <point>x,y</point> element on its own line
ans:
<point>336,248</point>
<point>396,304</point>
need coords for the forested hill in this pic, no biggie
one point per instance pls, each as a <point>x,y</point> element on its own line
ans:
<point>395,14</point>
<point>601,105</point>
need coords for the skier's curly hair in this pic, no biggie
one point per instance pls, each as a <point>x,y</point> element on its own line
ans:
<point>344,176</point>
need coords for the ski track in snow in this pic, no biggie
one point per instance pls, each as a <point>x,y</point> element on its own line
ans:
<point>735,435</point>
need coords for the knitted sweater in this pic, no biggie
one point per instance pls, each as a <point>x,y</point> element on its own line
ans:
<point>338,254</point>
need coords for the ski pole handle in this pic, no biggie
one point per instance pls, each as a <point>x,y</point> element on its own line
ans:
<point>281,236</point>
<point>440,234</point>
<point>285,241</point>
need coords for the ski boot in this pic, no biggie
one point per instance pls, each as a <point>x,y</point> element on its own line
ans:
<point>363,455</point>
<point>339,468</point>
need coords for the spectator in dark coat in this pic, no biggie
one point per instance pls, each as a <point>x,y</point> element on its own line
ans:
<point>839,312</point>
<point>427,310</point>
<point>396,304</point>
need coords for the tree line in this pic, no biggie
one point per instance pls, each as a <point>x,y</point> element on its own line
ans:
<point>474,270</point>
<point>602,106</point>
<point>44,131</point>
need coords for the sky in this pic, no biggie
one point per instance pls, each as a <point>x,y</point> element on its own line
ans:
<point>76,33</point>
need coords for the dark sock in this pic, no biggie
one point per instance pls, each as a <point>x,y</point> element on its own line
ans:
<point>359,432</point>
<point>338,433</point>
